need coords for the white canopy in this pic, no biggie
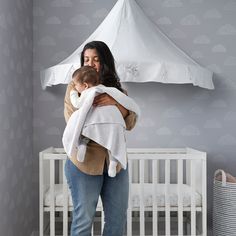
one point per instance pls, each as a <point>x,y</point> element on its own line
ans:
<point>141,51</point>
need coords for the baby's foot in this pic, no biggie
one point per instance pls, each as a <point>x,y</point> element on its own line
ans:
<point>81,152</point>
<point>112,169</point>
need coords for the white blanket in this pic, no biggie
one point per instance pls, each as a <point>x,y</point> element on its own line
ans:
<point>84,120</point>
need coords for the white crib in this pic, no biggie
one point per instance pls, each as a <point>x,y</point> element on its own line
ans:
<point>167,193</point>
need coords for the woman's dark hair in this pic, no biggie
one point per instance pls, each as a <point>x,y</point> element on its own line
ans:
<point>107,73</point>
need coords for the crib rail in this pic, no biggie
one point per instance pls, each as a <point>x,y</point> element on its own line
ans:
<point>149,169</point>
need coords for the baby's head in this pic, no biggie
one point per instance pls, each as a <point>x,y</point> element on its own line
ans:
<point>85,77</point>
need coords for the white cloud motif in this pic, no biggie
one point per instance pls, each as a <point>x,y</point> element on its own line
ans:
<point>86,1</point>
<point>196,110</point>
<point>80,20</point>
<point>142,138</point>
<point>197,54</point>
<point>164,131</point>
<point>37,66</point>
<point>46,97</point>
<point>38,123</point>
<point>150,12</point>
<point>177,142</point>
<point>19,68</point>
<point>190,130</point>
<point>3,173</point>
<point>172,3</point>
<point>227,30</point>
<point>177,34</point>
<point>172,113</point>
<point>14,43</point>
<point>14,111</point>
<point>230,61</point>
<point>12,134</point>
<point>190,20</point>
<point>59,56</point>
<point>164,21</point>
<point>228,83</point>
<point>154,98</point>
<point>212,124</point>
<point>61,3</point>
<point>53,131</point>
<point>101,13</point>
<point>67,33</point>
<point>146,123</point>
<point>219,48</point>
<point>219,104</point>
<point>3,23</point>
<point>230,116</point>
<point>230,6</point>
<point>53,21</point>
<point>3,97</point>
<point>202,39</point>
<point>38,11</point>
<point>58,113</point>
<point>214,68</point>
<point>201,96</point>
<point>196,1</point>
<point>47,41</point>
<point>6,125</point>
<point>227,140</point>
<point>212,14</point>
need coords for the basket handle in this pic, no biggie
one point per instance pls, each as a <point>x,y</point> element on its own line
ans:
<point>220,171</point>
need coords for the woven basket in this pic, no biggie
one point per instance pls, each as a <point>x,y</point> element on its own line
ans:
<point>224,206</point>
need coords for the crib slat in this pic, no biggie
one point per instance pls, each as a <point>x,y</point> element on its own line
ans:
<point>167,199</point>
<point>193,204</point>
<point>41,194</point>
<point>180,197</point>
<point>204,200</point>
<point>141,202</point>
<point>102,220</point>
<point>129,211</point>
<point>65,202</point>
<point>52,198</point>
<point>154,198</point>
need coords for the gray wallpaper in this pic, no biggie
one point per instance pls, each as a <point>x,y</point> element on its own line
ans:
<point>172,115</point>
<point>16,116</point>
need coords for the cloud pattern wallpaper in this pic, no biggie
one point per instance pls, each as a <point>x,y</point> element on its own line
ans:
<point>172,115</point>
<point>17,191</point>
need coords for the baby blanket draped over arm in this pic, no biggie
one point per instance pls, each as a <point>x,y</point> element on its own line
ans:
<point>77,120</point>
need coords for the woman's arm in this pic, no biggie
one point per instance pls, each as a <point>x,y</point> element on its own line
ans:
<point>123,110</point>
<point>68,107</point>
<point>104,100</point>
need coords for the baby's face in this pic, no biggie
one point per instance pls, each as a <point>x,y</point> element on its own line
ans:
<point>80,87</point>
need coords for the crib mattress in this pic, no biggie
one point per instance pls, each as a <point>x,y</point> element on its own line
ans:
<point>138,192</point>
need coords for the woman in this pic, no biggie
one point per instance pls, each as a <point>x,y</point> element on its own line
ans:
<point>89,179</point>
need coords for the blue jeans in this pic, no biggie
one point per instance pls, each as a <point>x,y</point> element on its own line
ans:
<point>85,190</point>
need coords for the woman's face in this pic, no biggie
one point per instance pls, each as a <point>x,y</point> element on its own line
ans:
<point>91,59</point>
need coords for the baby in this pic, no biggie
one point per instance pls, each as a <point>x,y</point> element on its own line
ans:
<point>84,78</point>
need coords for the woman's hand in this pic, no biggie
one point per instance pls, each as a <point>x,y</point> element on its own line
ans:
<point>105,99</point>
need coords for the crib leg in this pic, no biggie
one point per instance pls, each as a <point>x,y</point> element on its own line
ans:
<point>41,212</point>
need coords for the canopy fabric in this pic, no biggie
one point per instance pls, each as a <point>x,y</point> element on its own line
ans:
<point>141,51</point>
